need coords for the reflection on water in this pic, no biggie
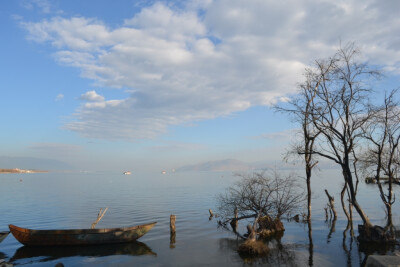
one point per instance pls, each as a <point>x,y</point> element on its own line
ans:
<point>278,255</point>
<point>2,255</point>
<point>57,252</point>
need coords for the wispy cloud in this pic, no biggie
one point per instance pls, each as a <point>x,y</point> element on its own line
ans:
<point>59,97</point>
<point>43,5</point>
<point>181,67</point>
<point>56,149</point>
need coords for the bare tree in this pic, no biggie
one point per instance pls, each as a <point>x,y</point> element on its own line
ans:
<point>299,108</point>
<point>383,133</point>
<point>258,195</point>
<point>339,111</point>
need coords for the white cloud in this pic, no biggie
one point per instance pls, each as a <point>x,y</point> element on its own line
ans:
<point>59,97</point>
<point>181,67</point>
<point>92,96</point>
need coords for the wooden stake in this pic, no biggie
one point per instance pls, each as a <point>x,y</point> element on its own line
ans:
<point>99,217</point>
<point>172,220</point>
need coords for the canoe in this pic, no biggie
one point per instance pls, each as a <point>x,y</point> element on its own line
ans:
<point>3,235</point>
<point>31,237</point>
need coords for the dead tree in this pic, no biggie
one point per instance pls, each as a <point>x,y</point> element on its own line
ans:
<point>258,195</point>
<point>299,108</point>
<point>340,110</point>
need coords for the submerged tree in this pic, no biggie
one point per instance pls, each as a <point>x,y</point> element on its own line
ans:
<point>258,195</point>
<point>300,110</point>
<point>339,110</point>
<point>334,110</point>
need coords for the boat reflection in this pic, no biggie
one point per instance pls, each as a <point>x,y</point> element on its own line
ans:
<point>2,255</point>
<point>56,252</point>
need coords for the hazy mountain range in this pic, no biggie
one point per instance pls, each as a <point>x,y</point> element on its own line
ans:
<point>218,165</point>
<point>240,166</point>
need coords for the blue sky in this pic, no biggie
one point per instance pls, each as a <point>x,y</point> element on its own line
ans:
<point>147,85</point>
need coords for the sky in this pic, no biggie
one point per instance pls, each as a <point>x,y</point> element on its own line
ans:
<point>152,85</point>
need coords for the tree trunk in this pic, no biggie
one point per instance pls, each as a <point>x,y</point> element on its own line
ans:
<point>343,204</point>
<point>234,222</point>
<point>310,244</point>
<point>349,179</point>
<point>308,173</point>
<point>389,216</point>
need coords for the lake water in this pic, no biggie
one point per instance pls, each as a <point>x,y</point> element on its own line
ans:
<point>60,200</point>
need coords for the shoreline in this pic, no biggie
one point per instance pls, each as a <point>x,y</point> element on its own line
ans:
<point>16,170</point>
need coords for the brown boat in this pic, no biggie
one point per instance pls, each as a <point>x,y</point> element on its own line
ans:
<point>79,236</point>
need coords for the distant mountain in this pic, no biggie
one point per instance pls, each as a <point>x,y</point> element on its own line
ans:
<point>33,163</point>
<point>219,165</point>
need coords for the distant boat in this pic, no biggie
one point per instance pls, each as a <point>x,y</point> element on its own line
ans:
<point>163,172</point>
<point>79,236</point>
<point>127,173</point>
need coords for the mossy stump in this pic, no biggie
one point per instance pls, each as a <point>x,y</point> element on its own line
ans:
<point>251,248</point>
<point>268,227</point>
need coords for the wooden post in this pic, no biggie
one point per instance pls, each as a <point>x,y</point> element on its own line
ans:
<point>172,238</point>
<point>172,220</point>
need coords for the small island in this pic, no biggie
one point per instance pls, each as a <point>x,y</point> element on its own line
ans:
<point>16,170</point>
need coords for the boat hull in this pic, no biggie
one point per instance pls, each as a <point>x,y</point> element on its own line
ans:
<point>31,237</point>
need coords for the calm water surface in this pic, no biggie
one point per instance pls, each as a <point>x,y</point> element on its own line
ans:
<point>59,200</point>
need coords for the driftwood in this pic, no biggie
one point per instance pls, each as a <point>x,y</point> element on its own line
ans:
<point>99,217</point>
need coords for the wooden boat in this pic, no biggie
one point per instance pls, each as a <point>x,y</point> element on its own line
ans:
<point>79,236</point>
<point>3,235</point>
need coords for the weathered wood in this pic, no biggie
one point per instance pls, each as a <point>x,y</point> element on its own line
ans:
<point>172,220</point>
<point>331,204</point>
<point>211,214</point>
<point>79,236</point>
<point>99,217</point>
